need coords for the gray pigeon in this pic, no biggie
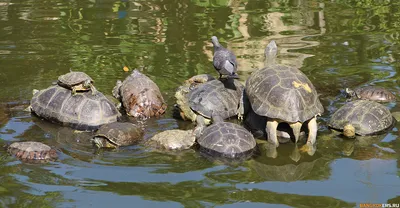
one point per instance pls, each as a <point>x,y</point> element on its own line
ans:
<point>224,60</point>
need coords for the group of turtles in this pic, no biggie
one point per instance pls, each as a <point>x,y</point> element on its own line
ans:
<point>278,102</point>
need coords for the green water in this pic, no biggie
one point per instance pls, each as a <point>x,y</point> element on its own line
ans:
<point>336,43</point>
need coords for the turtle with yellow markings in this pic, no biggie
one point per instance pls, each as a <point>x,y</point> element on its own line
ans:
<point>283,94</point>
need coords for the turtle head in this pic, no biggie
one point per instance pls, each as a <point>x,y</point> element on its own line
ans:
<point>270,53</point>
<point>101,142</point>
<point>349,131</point>
<point>116,89</point>
<point>215,42</point>
<point>87,83</point>
<point>350,92</point>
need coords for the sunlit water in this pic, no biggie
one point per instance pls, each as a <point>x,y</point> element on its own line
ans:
<point>337,44</point>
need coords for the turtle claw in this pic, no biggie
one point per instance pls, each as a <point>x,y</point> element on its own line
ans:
<point>309,148</point>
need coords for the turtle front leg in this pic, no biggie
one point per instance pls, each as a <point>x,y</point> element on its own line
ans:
<point>73,91</point>
<point>296,130</point>
<point>271,132</point>
<point>94,90</point>
<point>200,124</point>
<point>312,131</point>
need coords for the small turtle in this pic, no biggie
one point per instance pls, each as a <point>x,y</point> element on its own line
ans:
<point>362,117</point>
<point>224,60</point>
<point>221,96</point>
<point>174,139</point>
<point>226,140</point>
<point>77,81</point>
<point>283,94</point>
<point>32,152</point>
<point>374,93</point>
<point>140,96</point>
<point>84,111</point>
<point>117,134</point>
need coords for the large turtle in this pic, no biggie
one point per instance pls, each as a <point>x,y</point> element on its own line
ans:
<point>117,134</point>
<point>226,140</point>
<point>140,96</point>
<point>84,111</point>
<point>362,117</point>
<point>77,81</point>
<point>220,96</point>
<point>32,152</point>
<point>374,93</point>
<point>174,139</point>
<point>283,94</point>
<point>224,60</point>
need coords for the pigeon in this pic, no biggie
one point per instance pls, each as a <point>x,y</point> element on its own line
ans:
<point>224,60</point>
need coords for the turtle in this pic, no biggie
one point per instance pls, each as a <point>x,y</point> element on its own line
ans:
<point>226,139</point>
<point>224,60</point>
<point>117,134</point>
<point>181,107</point>
<point>361,117</point>
<point>173,139</point>
<point>220,95</point>
<point>283,94</point>
<point>84,111</point>
<point>140,96</point>
<point>77,81</point>
<point>374,93</point>
<point>32,152</point>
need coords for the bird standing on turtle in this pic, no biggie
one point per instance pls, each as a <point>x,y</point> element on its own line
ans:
<point>77,82</point>
<point>224,60</point>
<point>283,94</point>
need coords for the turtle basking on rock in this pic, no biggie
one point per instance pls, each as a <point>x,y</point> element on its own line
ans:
<point>224,60</point>
<point>140,96</point>
<point>77,82</point>
<point>283,94</point>
<point>220,96</point>
<point>374,93</point>
<point>83,111</point>
<point>117,134</point>
<point>32,152</point>
<point>361,117</point>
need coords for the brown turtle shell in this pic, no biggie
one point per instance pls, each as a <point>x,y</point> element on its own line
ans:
<point>32,152</point>
<point>374,93</point>
<point>121,133</point>
<point>140,96</point>
<point>73,78</point>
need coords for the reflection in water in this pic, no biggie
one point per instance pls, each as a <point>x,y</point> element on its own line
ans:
<point>337,44</point>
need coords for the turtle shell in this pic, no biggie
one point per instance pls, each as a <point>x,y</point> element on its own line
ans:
<point>225,139</point>
<point>73,78</point>
<point>121,134</point>
<point>219,96</point>
<point>32,152</point>
<point>141,97</point>
<point>83,111</point>
<point>375,93</point>
<point>367,117</point>
<point>284,93</point>
<point>174,139</point>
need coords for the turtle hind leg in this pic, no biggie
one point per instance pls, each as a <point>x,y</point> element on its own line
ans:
<point>296,130</point>
<point>312,131</point>
<point>271,132</point>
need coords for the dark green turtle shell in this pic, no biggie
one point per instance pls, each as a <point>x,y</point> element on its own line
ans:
<point>121,133</point>
<point>83,111</point>
<point>367,117</point>
<point>221,97</point>
<point>73,78</point>
<point>283,92</point>
<point>375,93</point>
<point>225,139</point>
<point>32,152</point>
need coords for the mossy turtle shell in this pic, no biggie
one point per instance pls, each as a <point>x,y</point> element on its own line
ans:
<point>74,78</point>
<point>83,111</point>
<point>283,92</point>
<point>227,140</point>
<point>367,117</point>
<point>121,134</point>
<point>221,97</point>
